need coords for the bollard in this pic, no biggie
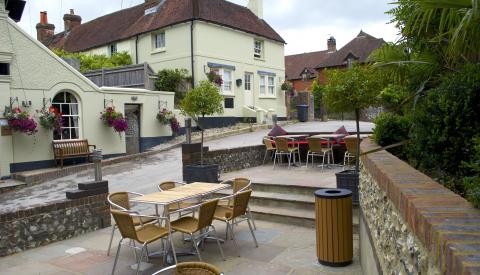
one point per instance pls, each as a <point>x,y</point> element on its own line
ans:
<point>274,120</point>
<point>97,161</point>
<point>188,127</point>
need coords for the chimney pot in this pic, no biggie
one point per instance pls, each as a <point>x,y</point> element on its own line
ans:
<point>256,6</point>
<point>332,44</point>
<point>71,11</point>
<point>45,31</point>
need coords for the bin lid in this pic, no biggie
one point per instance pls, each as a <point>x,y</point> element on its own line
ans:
<point>302,105</point>
<point>333,193</point>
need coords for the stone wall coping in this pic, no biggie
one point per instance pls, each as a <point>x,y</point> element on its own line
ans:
<point>446,224</point>
<point>54,205</point>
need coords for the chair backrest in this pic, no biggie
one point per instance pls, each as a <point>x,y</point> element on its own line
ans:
<point>205,213</point>
<point>166,185</point>
<point>119,199</point>
<point>351,143</point>
<point>125,224</point>
<point>191,268</point>
<point>281,144</point>
<point>315,144</point>
<point>240,203</point>
<point>241,184</point>
<point>268,143</point>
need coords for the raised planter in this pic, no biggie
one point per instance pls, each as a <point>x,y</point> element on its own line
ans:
<point>348,179</point>
<point>200,173</point>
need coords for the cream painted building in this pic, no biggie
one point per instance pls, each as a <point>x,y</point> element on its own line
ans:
<point>197,35</point>
<point>32,77</point>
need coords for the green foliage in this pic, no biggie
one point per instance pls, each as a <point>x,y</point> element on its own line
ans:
<point>202,101</point>
<point>472,183</point>
<point>286,86</point>
<point>317,91</point>
<point>393,98</point>
<point>445,121</point>
<point>173,81</point>
<point>94,62</point>
<point>350,89</point>
<point>391,128</point>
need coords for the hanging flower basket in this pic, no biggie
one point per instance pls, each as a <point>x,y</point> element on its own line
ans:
<point>21,121</point>
<point>114,119</point>
<point>51,118</point>
<point>215,78</point>
<point>166,117</point>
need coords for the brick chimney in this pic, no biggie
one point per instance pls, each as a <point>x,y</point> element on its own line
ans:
<point>71,20</point>
<point>45,31</point>
<point>332,44</point>
<point>256,6</point>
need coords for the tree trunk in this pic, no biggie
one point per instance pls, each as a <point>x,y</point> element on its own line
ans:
<point>201,142</point>
<point>357,155</point>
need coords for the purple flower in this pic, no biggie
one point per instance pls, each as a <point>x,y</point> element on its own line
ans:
<point>120,125</point>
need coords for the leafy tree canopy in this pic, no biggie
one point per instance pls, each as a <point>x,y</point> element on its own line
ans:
<point>203,100</point>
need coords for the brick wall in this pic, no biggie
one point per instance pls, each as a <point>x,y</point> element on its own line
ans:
<point>54,221</point>
<point>416,225</point>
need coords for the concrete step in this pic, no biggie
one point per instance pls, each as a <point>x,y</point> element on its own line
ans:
<point>297,217</point>
<point>270,199</point>
<point>285,188</point>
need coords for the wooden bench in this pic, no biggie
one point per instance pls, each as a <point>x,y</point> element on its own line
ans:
<point>63,149</point>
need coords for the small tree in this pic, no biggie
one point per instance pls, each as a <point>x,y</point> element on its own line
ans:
<point>203,100</point>
<point>352,90</point>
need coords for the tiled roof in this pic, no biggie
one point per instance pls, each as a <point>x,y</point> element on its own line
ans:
<point>130,22</point>
<point>295,64</point>
<point>359,48</point>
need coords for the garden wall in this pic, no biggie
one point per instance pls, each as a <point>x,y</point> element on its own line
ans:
<point>53,221</point>
<point>410,224</point>
<point>230,159</point>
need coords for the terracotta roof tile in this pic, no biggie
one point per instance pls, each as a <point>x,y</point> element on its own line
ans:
<point>295,64</point>
<point>130,22</point>
<point>360,47</point>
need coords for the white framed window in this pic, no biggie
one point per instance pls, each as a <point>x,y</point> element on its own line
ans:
<point>258,49</point>
<point>159,40</point>
<point>227,77</point>
<point>263,85</point>
<point>112,49</point>
<point>271,85</point>
<point>267,85</point>
<point>248,81</point>
<point>68,105</point>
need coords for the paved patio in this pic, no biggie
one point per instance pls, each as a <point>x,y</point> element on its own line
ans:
<point>283,249</point>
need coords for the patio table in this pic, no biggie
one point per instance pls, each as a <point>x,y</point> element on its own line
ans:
<point>178,194</point>
<point>293,136</point>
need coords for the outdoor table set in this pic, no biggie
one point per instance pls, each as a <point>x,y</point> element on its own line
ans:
<point>174,201</point>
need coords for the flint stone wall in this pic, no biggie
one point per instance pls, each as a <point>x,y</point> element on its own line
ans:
<point>414,224</point>
<point>54,221</point>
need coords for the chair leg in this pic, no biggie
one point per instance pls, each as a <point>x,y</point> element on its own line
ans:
<point>196,247</point>
<point>111,239</point>
<point>116,256</point>
<point>250,216</point>
<point>173,249</point>
<point>233,239</point>
<point>218,242</point>
<point>140,259</point>
<point>274,159</point>
<point>251,231</point>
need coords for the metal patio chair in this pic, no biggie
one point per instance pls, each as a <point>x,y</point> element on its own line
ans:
<point>351,152</point>
<point>319,147</point>
<point>269,147</point>
<point>238,185</point>
<point>288,147</point>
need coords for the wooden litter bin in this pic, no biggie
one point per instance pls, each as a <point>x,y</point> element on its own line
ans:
<point>333,214</point>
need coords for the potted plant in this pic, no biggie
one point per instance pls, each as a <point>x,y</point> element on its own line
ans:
<point>21,121</point>
<point>215,78</point>
<point>51,118</point>
<point>199,102</point>
<point>114,119</point>
<point>167,117</point>
<point>351,90</point>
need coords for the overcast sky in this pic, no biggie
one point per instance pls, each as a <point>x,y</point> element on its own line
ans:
<point>304,24</point>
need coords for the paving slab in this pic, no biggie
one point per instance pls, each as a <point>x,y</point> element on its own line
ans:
<point>283,249</point>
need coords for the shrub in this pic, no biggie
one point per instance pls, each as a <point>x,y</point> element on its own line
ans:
<point>444,123</point>
<point>472,183</point>
<point>173,81</point>
<point>93,62</point>
<point>391,128</point>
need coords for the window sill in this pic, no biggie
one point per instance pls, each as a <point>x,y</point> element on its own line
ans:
<point>159,50</point>
<point>259,59</point>
<point>5,78</point>
<point>228,94</point>
<point>267,97</point>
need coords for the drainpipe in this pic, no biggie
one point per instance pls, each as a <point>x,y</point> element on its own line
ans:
<point>136,49</point>
<point>195,14</point>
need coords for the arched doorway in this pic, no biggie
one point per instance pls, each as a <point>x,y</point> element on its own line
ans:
<point>69,106</point>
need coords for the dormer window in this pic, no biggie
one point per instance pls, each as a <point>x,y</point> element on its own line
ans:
<point>258,49</point>
<point>112,49</point>
<point>4,69</point>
